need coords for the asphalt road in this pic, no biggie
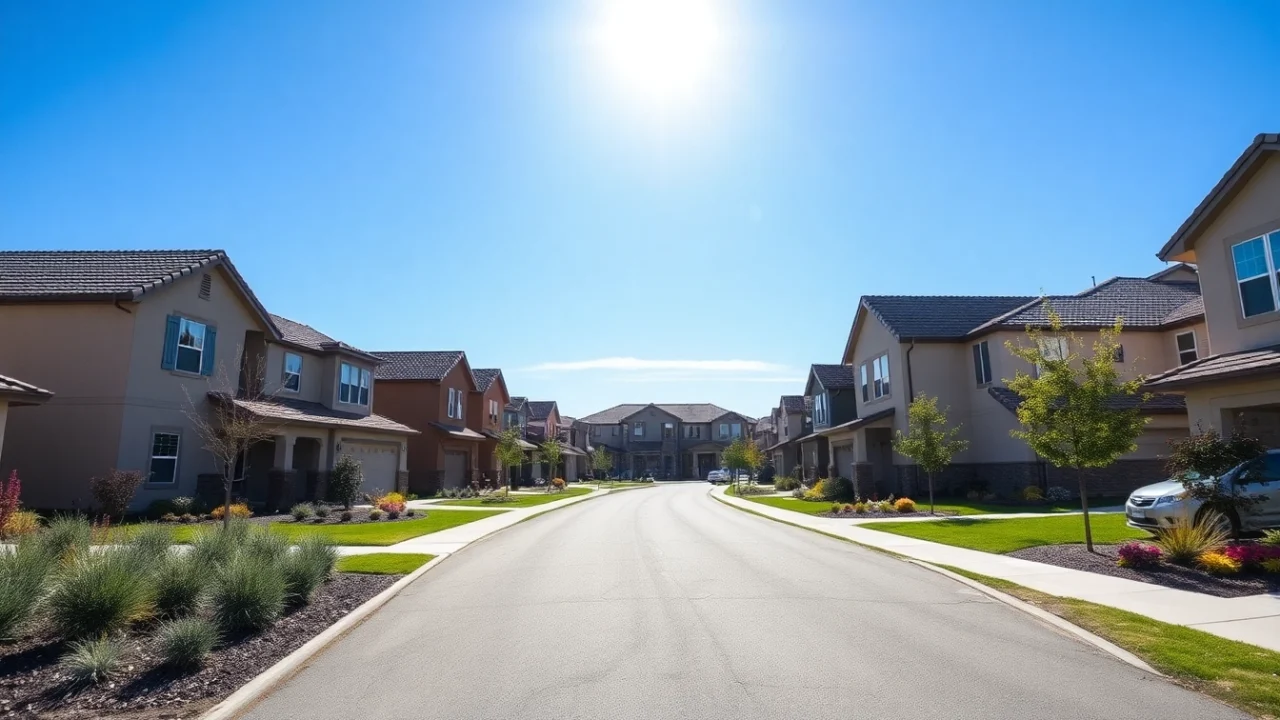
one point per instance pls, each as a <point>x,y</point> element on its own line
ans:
<point>664,603</point>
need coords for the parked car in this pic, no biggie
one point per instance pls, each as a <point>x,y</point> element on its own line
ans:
<point>715,477</point>
<point>1162,504</point>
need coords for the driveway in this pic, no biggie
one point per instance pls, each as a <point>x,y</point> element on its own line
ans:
<point>667,604</point>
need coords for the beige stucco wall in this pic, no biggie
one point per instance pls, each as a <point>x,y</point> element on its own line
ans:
<point>1255,210</point>
<point>314,370</point>
<point>1170,341</point>
<point>874,339</point>
<point>1211,405</point>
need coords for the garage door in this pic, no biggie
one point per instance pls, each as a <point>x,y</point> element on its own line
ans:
<point>455,469</point>
<point>379,464</point>
<point>844,461</point>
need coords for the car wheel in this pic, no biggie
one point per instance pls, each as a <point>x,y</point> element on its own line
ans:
<point>1227,522</point>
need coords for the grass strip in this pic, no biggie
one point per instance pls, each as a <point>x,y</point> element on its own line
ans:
<point>383,563</point>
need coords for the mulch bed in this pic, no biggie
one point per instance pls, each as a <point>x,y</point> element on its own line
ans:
<point>884,516</point>
<point>32,687</point>
<point>358,515</point>
<point>1103,562</point>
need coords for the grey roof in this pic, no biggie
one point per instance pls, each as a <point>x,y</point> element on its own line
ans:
<point>517,402</point>
<point>289,410</point>
<point>1141,302</point>
<point>1265,360</point>
<point>938,317</point>
<point>540,409</point>
<point>685,412</point>
<point>1157,403</point>
<point>835,377</point>
<point>793,403</point>
<point>305,336</point>
<point>1190,310</point>
<point>22,393</point>
<point>417,364</point>
<point>485,377</point>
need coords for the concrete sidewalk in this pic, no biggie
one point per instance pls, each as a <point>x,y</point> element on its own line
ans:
<point>1254,619</point>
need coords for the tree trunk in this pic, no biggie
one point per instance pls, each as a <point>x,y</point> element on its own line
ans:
<point>226,503</point>
<point>930,476</point>
<point>1084,505</point>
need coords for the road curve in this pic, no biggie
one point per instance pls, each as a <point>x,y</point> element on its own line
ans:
<point>664,603</point>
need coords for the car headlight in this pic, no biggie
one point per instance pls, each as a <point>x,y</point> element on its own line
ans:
<point>1170,499</point>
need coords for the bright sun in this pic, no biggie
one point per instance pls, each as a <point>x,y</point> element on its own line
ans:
<point>662,50</point>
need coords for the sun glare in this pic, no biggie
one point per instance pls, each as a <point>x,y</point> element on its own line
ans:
<point>663,51</point>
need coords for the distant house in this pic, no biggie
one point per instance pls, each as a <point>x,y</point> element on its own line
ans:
<point>792,424</point>
<point>831,393</point>
<point>672,441</point>
<point>486,409</point>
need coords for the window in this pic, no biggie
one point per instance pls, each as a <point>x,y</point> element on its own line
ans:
<point>493,410</point>
<point>638,430</point>
<point>1052,348</point>
<point>866,391</point>
<point>668,430</point>
<point>354,385</point>
<point>693,432</point>
<point>724,431</point>
<point>190,346</point>
<point>1255,264</point>
<point>820,409</point>
<point>292,371</point>
<point>1186,347</point>
<point>164,457</point>
<point>736,430</point>
<point>879,386</point>
<point>456,398</point>
<point>982,363</point>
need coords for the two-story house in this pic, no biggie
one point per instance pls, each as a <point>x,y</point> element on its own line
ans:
<point>672,441</point>
<point>793,422</point>
<point>1230,373</point>
<point>486,408</point>
<point>430,391</point>
<point>765,433</point>
<point>168,333</point>
<point>954,348</point>
<point>575,447</point>
<point>831,393</point>
<point>516,415</point>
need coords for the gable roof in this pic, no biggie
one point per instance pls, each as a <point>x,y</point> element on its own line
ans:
<point>517,402</point>
<point>1239,174</point>
<point>540,409</point>
<point>308,338</point>
<point>107,275</point>
<point>417,364</point>
<point>938,317</point>
<point>685,412</point>
<point>22,393</point>
<point>485,377</point>
<point>792,403</point>
<point>1141,302</point>
<point>1243,363</point>
<point>834,377</point>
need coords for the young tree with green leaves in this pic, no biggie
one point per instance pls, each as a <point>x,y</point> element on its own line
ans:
<point>1069,410</point>
<point>551,451</point>
<point>601,463</point>
<point>509,452</point>
<point>929,440</point>
<point>742,454</point>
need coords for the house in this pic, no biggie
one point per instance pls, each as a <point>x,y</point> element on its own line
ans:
<point>765,433</point>
<point>576,448</point>
<point>672,441</point>
<point>831,392</point>
<point>429,391</point>
<point>171,333</point>
<point>794,422</point>
<point>486,408</point>
<point>15,393</point>
<point>516,415</point>
<point>954,348</point>
<point>1229,371</point>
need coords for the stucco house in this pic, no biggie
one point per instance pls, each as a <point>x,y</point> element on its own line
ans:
<point>171,332</point>
<point>794,421</point>
<point>15,393</point>
<point>954,348</point>
<point>485,410</point>
<point>1231,376</point>
<point>672,441</point>
<point>831,392</point>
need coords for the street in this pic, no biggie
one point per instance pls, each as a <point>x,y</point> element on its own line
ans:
<point>664,603</point>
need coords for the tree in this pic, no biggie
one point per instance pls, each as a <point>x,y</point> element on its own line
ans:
<point>929,441</point>
<point>509,452</point>
<point>1076,411</point>
<point>1199,461</point>
<point>742,454</point>
<point>601,462</point>
<point>345,480</point>
<point>228,429</point>
<point>551,451</point>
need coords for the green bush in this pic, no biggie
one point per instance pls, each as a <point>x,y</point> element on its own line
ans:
<point>1270,537</point>
<point>100,593</point>
<point>248,593</point>
<point>180,584</point>
<point>306,568</point>
<point>322,510</point>
<point>265,545</point>
<point>23,570</point>
<point>785,482</point>
<point>345,480</point>
<point>92,661</point>
<point>375,514</point>
<point>345,516</point>
<point>838,489</point>
<point>185,643</point>
<point>66,538</point>
<point>302,511</point>
<point>1183,543</point>
<point>149,544</point>
<point>215,546</point>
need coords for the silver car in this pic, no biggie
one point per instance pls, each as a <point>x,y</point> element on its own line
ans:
<point>1158,506</point>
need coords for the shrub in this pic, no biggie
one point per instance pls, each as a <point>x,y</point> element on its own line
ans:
<point>182,505</point>
<point>188,519</point>
<point>1251,555</point>
<point>904,505</point>
<point>345,480</point>
<point>785,482</point>
<point>414,496</point>
<point>159,508</point>
<point>1134,554</point>
<point>799,492</point>
<point>307,568</point>
<point>216,546</point>
<point>149,544</point>
<point>248,593</point>
<point>345,516</point>
<point>113,492</point>
<point>265,545</point>
<point>1216,563</point>
<point>860,507</point>
<point>839,489</point>
<point>1184,542</point>
<point>9,501</point>
<point>557,483</point>
<point>19,524</point>
<point>847,508</point>
<point>179,585</point>
<point>100,593</point>
<point>1058,494</point>
<point>835,509</point>
<point>973,495</point>
<point>1271,566</point>
<point>410,512</point>
<point>322,510</point>
<point>393,515</point>
<point>301,511</point>
<point>1270,537</point>
<point>375,514</point>
<point>66,538</point>
<point>817,491</point>
<point>1033,494</point>
<point>389,503</point>
<point>239,511</point>
<point>493,498</point>
<point>168,518</point>
<point>23,570</point>
<point>885,506</point>
<point>91,662</point>
<point>186,642</point>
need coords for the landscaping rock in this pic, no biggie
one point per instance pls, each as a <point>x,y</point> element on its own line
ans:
<point>1103,562</point>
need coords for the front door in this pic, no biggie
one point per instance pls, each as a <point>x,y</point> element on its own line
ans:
<point>455,469</point>
<point>706,463</point>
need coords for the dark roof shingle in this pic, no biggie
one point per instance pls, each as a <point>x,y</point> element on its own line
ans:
<point>307,337</point>
<point>416,364</point>
<point>686,412</point>
<point>95,274</point>
<point>938,316</point>
<point>835,377</point>
<point>792,403</point>
<point>485,377</point>
<point>288,410</point>
<point>1157,403</point>
<point>1140,302</point>
<point>1265,360</point>
<point>540,409</point>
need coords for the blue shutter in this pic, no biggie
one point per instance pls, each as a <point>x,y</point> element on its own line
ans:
<point>169,359</point>
<point>210,347</point>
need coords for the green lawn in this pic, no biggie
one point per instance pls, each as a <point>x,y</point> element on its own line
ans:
<point>1005,536</point>
<point>522,500</point>
<point>961,506</point>
<point>1241,675</point>
<point>383,533</point>
<point>808,507</point>
<point>383,563</point>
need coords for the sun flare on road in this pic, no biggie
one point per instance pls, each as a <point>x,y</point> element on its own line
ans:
<point>660,51</point>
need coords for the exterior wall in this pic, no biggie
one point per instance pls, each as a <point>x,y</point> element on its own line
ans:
<point>459,378</point>
<point>1170,341</point>
<point>4,417</point>
<point>1254,210</point>
<point>653,419</point>
<point>330,384</point>
<point>478,407</point>
<point>1215,405</point>
<point>412,403</point>
<point>315,374</point>
<point>874,339</point>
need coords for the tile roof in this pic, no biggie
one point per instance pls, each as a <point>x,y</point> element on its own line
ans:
<point>686,412</point>
<point>485,377</point>
<point>793,403</point>
<point>1157,403</point>
<point>305,336</point>
<point>1191,310</point>
<point>516,403</point>
<point>855,423</point>
<point>540,409</point>
<point>938,316</point>
<point>1141,302</point>
<point>416,364</point>
<point>1220,367</point>
<point>834,377</point>
<point>288,410</point>
<point>20,391</point>
<point>95,274</point>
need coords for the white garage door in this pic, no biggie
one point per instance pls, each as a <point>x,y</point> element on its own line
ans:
<point>379,464</point>
<point>455,469</point>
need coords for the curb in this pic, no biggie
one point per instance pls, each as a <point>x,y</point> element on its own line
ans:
<point>256,689</point>
<point>1047,617</point>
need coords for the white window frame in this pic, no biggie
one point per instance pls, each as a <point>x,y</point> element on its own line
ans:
<point>183,322</point>
<point>493,410</point>
<point>982,366</point>
<point>735,430</point>
<point>284,381</point>
<point>358,380</point>
<point>866,387</point>
<point>637,429</point>
<point>1195,347</point>
<point>174,457</point>
<point>1266,239</point>
<point>820,414</point>
<point>881,377</point>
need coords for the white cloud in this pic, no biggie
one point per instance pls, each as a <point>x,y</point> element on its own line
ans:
<point>667,378</point>
<point>630,364</point>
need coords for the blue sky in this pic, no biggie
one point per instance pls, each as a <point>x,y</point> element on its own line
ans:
<point>476,175</point>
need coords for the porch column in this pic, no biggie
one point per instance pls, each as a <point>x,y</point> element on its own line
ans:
<point>281,489</point>
<point>284,451</point>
